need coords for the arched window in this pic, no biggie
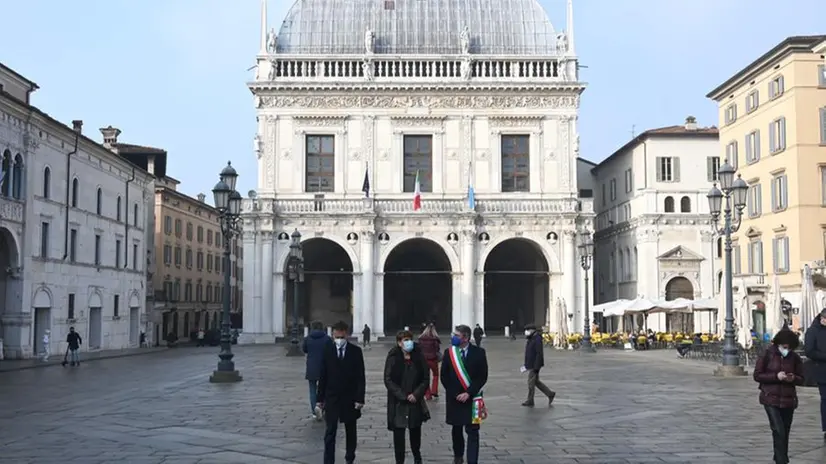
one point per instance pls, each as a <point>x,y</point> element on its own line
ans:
<point>719,247</point>
<point>621,266</point>
<point>47,182</point>
<point>636,260</point>
<point>17,177</point>
<point>119,204</point>
<point>630,259</point>
<point>669,204</point>
<point>685,205</point>
<point>99,202</point>
<point>5,174</point>
<point>135,215</point>
<point>75,192</point>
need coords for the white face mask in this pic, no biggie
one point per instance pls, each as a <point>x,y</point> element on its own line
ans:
<point>339,342</point>
<point>528,332</point>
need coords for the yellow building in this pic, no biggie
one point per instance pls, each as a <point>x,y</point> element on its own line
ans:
<point>773,130</point>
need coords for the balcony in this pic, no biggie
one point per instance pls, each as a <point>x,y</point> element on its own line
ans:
<point>753,281</point>
<point>11,210</point>
<point>390,207</point>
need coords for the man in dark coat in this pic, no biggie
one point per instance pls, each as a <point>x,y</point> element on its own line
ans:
<point>815,348</point>
<point>534,361</point>
<point>478,333</point>
<point>314,346</point>
<point>461,389</point>
<point>341,390</point>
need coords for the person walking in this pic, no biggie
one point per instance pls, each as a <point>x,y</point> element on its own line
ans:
<point>431,348</point>
<point>201,335</point>
<point>815,348</point>
<point>365,337</point>
<point>313,346</point>
<point>74,341</point>
<point>478,333</point>
<point>778,372</point>
<point>511,333</point>
<point>406,379</point>
<point>341,390</point>
<point>464,373</point>
<point>534,361</point>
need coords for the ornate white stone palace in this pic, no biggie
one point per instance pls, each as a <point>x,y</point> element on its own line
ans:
<point>454,93</point>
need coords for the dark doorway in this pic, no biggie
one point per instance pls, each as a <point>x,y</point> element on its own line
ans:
<point>679,287</point>
<point>326,294</point>
<point>516,286</point>
<point>417,287</point>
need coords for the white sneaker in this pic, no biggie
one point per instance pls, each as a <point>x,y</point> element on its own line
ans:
<point>319,413</point>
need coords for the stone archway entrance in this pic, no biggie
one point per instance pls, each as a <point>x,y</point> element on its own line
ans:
<point>516,285</point>
<point>418,286</point>
<point>11,304</point>
<point>326,295</point>
<point>679,287</point>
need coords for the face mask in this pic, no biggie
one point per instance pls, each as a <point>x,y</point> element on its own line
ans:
<point>528,333</point>
<point>407,345</point>
<point>784,352</point>
<point>455,341</point>
<point>339,342</point>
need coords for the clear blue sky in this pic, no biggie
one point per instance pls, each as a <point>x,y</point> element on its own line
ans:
<point>172,73</point>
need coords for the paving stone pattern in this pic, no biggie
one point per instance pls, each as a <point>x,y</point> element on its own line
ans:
<point>611,407</point>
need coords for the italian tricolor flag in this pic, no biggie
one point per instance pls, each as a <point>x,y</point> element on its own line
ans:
<point>417,194</point>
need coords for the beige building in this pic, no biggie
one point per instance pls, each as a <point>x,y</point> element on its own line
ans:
<point>773,130</point>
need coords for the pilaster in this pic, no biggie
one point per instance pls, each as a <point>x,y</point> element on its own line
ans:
<point>468,273</point>
<point>250,260</point>
<point>368,306</point>
<point>378,315</point>
<point>267,277</point>
<point>569,275</point>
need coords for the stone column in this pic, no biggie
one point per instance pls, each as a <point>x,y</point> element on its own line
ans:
<point>277,302</point>
<point>480,298</point>
<point>570,274</point>
<point>456,313</point>
<point>248,242</point>
<point>368,306</point>
<point>378,314</point>
<point>258,288</point>
<point>468,278</point>
<point>266,282</point>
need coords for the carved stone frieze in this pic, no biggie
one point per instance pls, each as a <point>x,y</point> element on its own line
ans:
<point>269,149</point>
<point>533,124</point>
<point>369,136</point>
<point>565,149</point>
<point>467,138</point>
<point>422,101</point>
<point>319,121</point>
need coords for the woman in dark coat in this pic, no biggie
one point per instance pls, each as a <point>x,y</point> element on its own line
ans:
<point>778,371</point>
<point>406,377</point>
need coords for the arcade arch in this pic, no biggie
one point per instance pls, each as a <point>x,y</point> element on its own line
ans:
<point>516,285</point>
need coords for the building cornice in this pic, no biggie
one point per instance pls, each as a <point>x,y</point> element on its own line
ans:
<point>656,220</point>
<point>273,88</point>
<point>341,99</point>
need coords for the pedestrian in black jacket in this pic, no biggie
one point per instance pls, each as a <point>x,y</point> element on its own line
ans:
<point>406,377</point>
<point>74,341</point>
<point>534,361</point>
<point>314,346</point>
<point>815,348</point>
<point>464,373</point>
<point>341,391</point>
<point>478,333</point>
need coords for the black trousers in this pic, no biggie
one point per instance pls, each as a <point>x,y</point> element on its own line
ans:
<point>399,447</point>
<point>458,436</point>
<point>822,388</point>
<point>350,438</point>
<point>780,421</point>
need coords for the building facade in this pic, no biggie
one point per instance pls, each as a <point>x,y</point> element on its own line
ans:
<point>654,237</point>
<point>72,225</point>
<point>773,130</point>
<point>477,113</point>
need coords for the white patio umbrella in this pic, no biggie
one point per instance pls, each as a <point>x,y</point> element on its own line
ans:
<point>561,322</point>
<point>565,318</point>
<point>775,315</point>
<point>809,307</point>
<point>744,319</point>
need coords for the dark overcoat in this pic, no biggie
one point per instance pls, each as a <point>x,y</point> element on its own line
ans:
<point>314,347</point>
<point>342,383</point>
<point>476,363</point>
<point>815,348</point>
<point>403,378</point>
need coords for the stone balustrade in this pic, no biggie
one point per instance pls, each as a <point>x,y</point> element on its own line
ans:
<point>11,210</point>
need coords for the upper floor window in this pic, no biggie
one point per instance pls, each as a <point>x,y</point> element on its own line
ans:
<point>731,113</point>
<point>75,192</point>
<point>167,225</point>
<point>135,215</point>
<point>668,169</point>
<point>47,182</point>
<point>776,87</point>
<point>668,205</point>
<point>713,168</point>
<point>753,147</point>
<point>752,101</point>
<point>629,180</point>
<point>178,227</point>
<point>780,192</point>
<point>189,231</point>
<point>823,126</point>
<point>823,185</point>
<point>780,249</point>
<point>99,201</point>
<point>755,200</point>
<point>756,257</point>
<point>731,154</point>
<point>777,135</point>
<point>320,159</point>
<point>119,206</point>
<point>515,163</point>
<point>821,75</point>
<point>209,237</point>
<point>11,175</point>
<point>685,205</point>
<point>418,162</point>
<point>613,189</point>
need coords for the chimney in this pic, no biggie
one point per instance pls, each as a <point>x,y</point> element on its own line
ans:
<point>77,126</point>
<point>691,123</point>
<point>201,197</point>
<point>110,136</point>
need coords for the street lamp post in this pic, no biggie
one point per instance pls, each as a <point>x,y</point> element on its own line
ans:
<point>734,192</point>
<point>586,252</point>
<point>228,204</point>
<point>296,274</point>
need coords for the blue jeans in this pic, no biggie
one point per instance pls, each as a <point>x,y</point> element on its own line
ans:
<point>313,394</point>
<point>73,357</point>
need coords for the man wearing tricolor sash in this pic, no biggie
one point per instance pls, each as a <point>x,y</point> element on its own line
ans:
<point>464,373</point>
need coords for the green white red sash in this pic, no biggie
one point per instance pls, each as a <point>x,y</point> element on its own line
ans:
<point>479,412</point>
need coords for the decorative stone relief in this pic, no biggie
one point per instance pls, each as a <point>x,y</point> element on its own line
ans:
<point>320,121</point>
<point>269,147</point>
<point>422,101</point>
<point>467,138</point>
<point>516,122</point>
<point>368,140</point>
<point>564,142</point>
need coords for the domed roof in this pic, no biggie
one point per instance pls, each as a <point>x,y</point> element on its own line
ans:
<point>507,27</point>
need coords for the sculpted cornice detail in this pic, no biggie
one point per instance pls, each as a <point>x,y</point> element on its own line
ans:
<point>420,101</point>
<point>306,122</point>
<point>498,124</point>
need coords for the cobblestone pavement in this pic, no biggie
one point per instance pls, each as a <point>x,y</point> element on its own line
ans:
<point>612,407</point>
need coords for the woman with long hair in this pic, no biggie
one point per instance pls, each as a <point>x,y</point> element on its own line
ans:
<point>431,347</point>
<point>406,378</point>
<point>778,372</point>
